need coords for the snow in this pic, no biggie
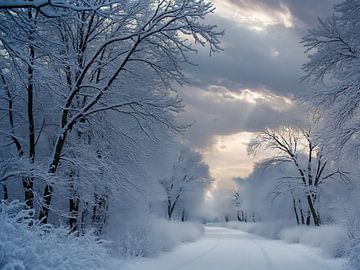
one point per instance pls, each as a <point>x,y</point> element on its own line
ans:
<point>223,248</point>
<point>137,237</point>
<point>330,239</point>
<point>43,247</point>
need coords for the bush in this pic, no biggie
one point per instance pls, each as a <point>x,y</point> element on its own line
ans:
<point>27,244</point>
<point>147,237</point>
<point>329,238</point>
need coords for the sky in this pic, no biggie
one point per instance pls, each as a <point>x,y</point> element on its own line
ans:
<point>253,84</point>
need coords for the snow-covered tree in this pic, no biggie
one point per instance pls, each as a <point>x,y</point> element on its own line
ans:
<point>334,69</point>
<point>83,87</point>
<point>186,185</point>
<point>311,168</point>
<point>260,196</point>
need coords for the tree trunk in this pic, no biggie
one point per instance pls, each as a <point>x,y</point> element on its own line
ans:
<point>312,210</point>
<point>238,216</point>
<point>301,214</point>
<point>296,213</point>
<point>308,218</point>
<point>169,210</point>
<point>6,192</point>
<point>28,182</point>
<point>48,190</point>
<point>183,219</point>
<point>13,137</point>
<point>44,213</point>
<point>73,212</point>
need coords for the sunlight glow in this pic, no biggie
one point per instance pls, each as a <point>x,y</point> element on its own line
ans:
<point>227,158</point>
<point>255,97</point>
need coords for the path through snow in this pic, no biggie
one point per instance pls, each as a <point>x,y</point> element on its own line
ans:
<point>226,249</point>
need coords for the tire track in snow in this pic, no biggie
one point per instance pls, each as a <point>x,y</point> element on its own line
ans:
<point>199,256</point>
<point>268,263</point>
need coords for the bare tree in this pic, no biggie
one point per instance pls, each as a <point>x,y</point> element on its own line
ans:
<point>296,147</point>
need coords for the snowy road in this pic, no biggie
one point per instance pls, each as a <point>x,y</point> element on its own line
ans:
<point>226,249</point>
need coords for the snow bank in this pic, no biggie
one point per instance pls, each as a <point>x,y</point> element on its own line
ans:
<point>43,247</point>
<point>147,239</point>
<point>331,239</point>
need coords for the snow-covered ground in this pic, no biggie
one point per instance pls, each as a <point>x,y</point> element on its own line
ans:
<point>227,249</point>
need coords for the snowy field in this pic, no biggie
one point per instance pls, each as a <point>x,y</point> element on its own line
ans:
<point>223,248</point>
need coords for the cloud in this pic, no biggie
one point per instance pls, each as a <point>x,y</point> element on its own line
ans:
<point>252,84</point>
<point>258,14</point>
<point>270,59</point>
<point>220,111</point>
<point>254,97</point>
<point>254,14</point>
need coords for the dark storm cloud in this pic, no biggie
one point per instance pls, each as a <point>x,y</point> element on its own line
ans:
<point>270,59</point>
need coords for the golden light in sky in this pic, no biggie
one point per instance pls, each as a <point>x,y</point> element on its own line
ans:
<point>228,158</point>
<point>227,154</point>
<point>250,96</point>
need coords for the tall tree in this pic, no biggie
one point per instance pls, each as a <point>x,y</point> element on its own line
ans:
<point>296,146</point>
<point>104,58</point>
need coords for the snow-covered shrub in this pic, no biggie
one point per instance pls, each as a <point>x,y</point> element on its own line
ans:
<point>25,244</point>
<point>147,236</point>
<point>329,238</point>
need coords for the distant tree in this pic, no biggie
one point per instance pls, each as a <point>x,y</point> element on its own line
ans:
<point>241,213</point>
<point>187,183</point>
